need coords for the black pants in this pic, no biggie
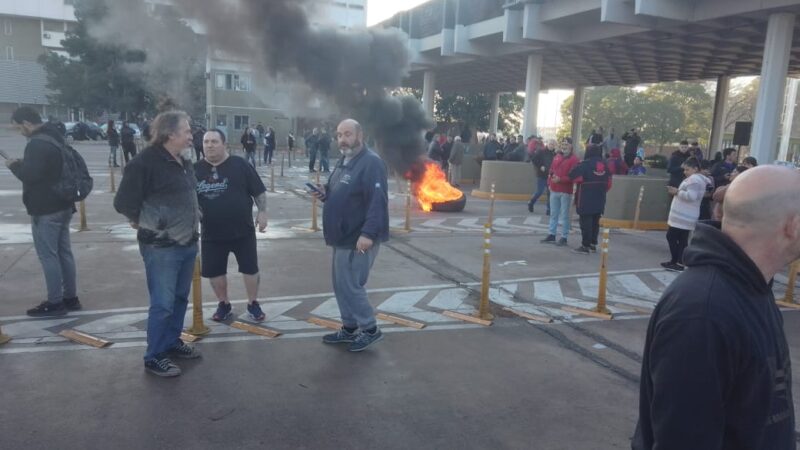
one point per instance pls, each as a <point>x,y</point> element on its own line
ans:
<point>128,151</point>
<point>590,229</point>
<point>268,155</point>
<point>678,240</point>
<point>312,159</point>
<point>198,151</point>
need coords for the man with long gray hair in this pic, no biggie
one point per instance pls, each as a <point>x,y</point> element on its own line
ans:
<point>157,195</point>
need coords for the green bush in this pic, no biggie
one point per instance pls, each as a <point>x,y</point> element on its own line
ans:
<point>656,161</point>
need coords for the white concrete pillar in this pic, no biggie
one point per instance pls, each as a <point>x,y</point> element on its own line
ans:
<point>788,118</point>
<point>494,117</point>
<point>774,68</point>
<point>533,81</point>
<point>428,91</point>
<point>578,98</point>
<point>718,122</point>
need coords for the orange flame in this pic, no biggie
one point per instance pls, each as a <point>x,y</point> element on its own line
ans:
<point>434,188</point>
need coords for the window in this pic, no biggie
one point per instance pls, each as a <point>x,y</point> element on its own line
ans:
<point>222,120</point>
<point>10,53</point>
<point>241,122</point>
<point>7,27</point>
<point>232,82</point>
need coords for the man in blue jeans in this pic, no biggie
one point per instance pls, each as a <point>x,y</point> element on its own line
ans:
<point>561,189</point>
<point>355,221</point>
<point>39,170</point>
<point>157,195</point>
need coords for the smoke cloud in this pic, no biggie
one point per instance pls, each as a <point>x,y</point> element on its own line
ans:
<point>352,68</point>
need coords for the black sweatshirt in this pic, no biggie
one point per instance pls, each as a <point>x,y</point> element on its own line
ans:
<point>716,372</point>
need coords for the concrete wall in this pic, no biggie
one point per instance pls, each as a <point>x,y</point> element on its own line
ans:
<point>512,180</point>
<point>624,193</point>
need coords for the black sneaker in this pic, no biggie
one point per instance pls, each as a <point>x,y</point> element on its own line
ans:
<point>72,304</point>
<point>46,309</point>
<point>672,267</point>
<point>530,207</point>
<point>364,340</point>
<point>550,239</point>
<point>162,367</point>
<point>223,312</point>
<point>184,351</point>
<point>340,337</point>
<point>593,248</point>
<point>582,250</point>
<point>562,242</point>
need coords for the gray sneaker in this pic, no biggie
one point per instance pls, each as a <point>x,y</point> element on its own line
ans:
<point>340,337</point>
<point>162,367</point>
<point>184,351</point>
<point>365,339</point>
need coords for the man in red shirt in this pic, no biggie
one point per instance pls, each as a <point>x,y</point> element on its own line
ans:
<point>561,187</point>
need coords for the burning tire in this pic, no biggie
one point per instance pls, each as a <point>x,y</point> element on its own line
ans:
<point>452,205</point>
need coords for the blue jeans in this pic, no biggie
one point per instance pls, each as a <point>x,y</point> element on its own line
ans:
<point>541,188</point>
<point>169,278</point>
<point>324,164</point>
<point>350,271</point>
<point>51,241</point>
<point>559,212</point>
<point>250,157</point>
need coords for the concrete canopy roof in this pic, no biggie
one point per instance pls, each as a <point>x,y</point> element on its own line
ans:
<point>482,45</point>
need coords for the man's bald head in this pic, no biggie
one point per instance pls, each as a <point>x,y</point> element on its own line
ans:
<point>762,197</point>
<point>350,137</point>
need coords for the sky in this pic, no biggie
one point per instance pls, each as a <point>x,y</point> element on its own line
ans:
<point>379,10</point>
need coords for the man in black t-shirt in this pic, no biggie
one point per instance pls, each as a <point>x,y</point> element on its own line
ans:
<point>226,188</point>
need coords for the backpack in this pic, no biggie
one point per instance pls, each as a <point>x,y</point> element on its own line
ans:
<point>75,183</point>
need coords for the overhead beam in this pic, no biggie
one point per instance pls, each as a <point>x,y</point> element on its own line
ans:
<point>670,9</point>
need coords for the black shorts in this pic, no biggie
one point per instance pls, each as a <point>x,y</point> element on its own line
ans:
<point>214,256</point>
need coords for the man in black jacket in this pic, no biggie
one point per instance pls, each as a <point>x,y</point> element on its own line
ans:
<point>39,170</point>
<point>128,139</point>
<point>593,180</point>
<point>632,141</point>
<point>716,370</point>
<point>158,196</point>
<point>541,161</point>
<point>355,222</point>
<point>675,164</point>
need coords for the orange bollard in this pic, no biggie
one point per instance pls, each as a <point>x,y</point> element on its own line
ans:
<point>198,327</point>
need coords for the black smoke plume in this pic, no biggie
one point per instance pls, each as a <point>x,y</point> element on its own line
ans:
<point>353,68</point>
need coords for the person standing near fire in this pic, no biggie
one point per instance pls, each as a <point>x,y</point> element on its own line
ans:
<point>355,219</point>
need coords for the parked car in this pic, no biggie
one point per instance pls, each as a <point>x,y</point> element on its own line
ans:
<point>84,131</point>
<point>118,126</point>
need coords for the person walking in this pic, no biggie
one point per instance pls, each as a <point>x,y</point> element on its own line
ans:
<point>227,187</point>
<point>561,189</point>
<point>593,180</point>
<point>355,219</point>
<point>716,367</point>
<point>249,144</point>
<point>684,212</point>
<point>127,136</point>
<point>311,147</point>
<point>113,143</point>
<point>158,195</point>
<point>269,145</point>
<point>455,161</point>
<point>541,161</point>
<point>39,170</point>
<point>197,142</point>
<point>324,149</point>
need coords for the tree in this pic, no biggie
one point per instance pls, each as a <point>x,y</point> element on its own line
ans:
<point>474,111</point>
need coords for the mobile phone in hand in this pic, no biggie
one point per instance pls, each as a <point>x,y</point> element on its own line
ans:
<point>313,188</point>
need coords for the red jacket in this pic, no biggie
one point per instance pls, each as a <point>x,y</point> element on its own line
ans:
<point>561,168</point>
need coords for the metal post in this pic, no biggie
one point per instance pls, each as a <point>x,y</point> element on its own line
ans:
<point>82,208</point>
<point>483,311</point>
<point>314,225</point>
<point>601,291</point>
<point>113,183</point>
<point>4,338</point>
<point>283,155</point>
<point>272,177</point>
<point>198,327</point>
<point>490,220</point>
<point>408,206</point>
<point>638,209</point>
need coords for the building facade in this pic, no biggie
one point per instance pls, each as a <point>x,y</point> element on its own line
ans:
<point>29,29</point>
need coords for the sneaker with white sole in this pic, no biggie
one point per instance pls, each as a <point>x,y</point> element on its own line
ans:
<point>184,351</point>
<point>162,367</point>
<point>341,336</point>
<point>364,340</point>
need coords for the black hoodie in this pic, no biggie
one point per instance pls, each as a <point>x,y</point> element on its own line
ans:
<point>39,170</point>
<point>716,372</point>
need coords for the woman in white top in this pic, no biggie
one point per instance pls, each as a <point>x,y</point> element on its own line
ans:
<point>684,212</point>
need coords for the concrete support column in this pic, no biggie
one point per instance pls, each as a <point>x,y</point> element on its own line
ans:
<point>788,118</point>
<point>533,81</point>
<point>774,68</point>
<point>578,98</point>
<point>211,122</point>
<point>494,117</point>
<point>718,122</point>
<point>428,92</point>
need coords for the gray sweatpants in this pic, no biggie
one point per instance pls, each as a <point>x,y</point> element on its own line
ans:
<point>350,273</point>
<point>51,240</point>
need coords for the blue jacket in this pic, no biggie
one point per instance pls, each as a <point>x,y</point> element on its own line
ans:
<point>356,202</point>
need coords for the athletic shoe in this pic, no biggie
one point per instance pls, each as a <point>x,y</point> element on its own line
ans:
<point>365,339</point>
<point>582,250</point>
<point>672,267</point>
<point>550,239</point>
<point>162,367</point>
<point>254,309</point>
<point>530,207</point>
<point>72,304</point>
<point>223,312</point>
<point>593,248</point>
<point>46,309</point>
<point>342,336</point>
<point>562,242</point>
<point>184,351</point>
